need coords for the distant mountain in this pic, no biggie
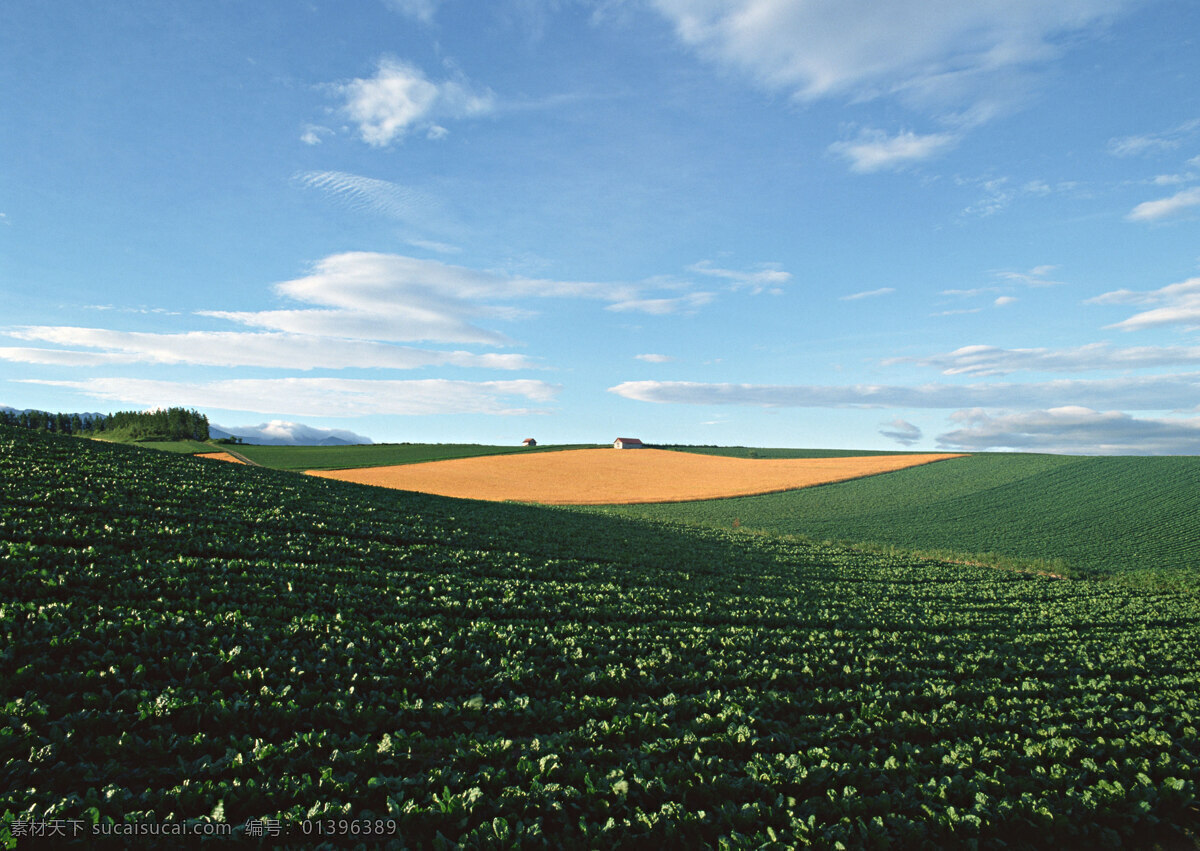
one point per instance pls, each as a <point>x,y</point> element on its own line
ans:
<point>94,415</point>
<point>335,441</point>
<point>282,433</point>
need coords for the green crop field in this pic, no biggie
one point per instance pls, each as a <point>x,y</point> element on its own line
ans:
<point>758,452</point>
<point>375,454</point>
<point>1135,516</point>
<point>207,644</point>
<point>183,447</point>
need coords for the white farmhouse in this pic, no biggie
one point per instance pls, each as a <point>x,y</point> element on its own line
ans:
<point>628,443</point>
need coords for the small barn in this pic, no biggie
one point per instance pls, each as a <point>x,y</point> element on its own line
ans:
<point>628,443</point>
<point>529,441</point>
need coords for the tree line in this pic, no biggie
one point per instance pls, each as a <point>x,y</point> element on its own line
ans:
<point>163,424</point>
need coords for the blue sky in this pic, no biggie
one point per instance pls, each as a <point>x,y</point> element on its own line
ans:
<point>923,224</point>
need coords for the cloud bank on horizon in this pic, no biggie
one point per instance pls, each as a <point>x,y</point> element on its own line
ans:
<point>834,223</point>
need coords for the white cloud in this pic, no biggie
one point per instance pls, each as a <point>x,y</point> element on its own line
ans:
<point>663,306</point>
<point>1004,301</point>
<point>284,433</point>
<point>143,309</point>
<point>314,134</point>
<point>902,431</point>
<point>1035,277</point>
<point>992,360</point>
<point>1149,143</point>
<point>1180,305</point>
<point>652,358</point>
<point>959,312</point>
<point>1075,429</point>
<point>63,357</point>
<point>963,63</point>
<point>358,306</point>
<point>769,277</point>
<point>323,397</point>
<point>973,292</point>
<point>231,349</point>
<point>1156,392</point>
<point>399,97</point>
<point>1152,211</point>
<point>1182,291</point>
<point>398,323</point>
<point>868,294</point>
<point>396,298</point>
<point>1182,177</point>
<point>826,47</point>
<point>874,150</point>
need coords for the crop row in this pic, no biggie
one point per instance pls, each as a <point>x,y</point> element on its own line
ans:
<point>185,640</point>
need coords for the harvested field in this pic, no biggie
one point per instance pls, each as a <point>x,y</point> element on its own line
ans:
<point>603,476</point>
<point>219,456</point>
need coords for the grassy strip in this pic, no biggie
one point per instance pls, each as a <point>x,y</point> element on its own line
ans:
<point>179,447</point>
<point>300,458</point>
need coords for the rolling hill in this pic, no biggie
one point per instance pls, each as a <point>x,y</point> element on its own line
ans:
<point>1098,516</point>
<point>215,645</point>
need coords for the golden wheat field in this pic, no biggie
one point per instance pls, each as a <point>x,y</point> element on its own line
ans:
<point>600,476</point>
<point>219,456</point>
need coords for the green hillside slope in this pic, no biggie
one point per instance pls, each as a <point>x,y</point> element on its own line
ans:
<point>213,645</point>
<point>375,454</point>
<point>1132,515</point>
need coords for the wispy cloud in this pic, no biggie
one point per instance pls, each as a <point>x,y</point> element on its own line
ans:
<point>902,431</point>
<point>868,294</point>
<point>960,62</point>
<point>1192,174</point>
<point>1151,143</point>
<point>1164,208</point>
<point>324,397</point>
<point>394,298</point>
<point>973,291</point>
<point>422,10</point>
<point>369,194</point>
<point>653,358</point>
<point>355,310</point>
<point>400,97</point>
<point>874,150</point>
<point>1179,305</point>
<point>1073,429</point>
<point>767,277</point>
<point>1155,392</point>
<point>998,193</point>
<point>433,245</point>
<point>992,360</point>
<point>314,134</point>
<point>1035,277</point>
<point>689,303</point>
<point>143,309</point>
<point>861,47</point>
<point>234,349</point>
